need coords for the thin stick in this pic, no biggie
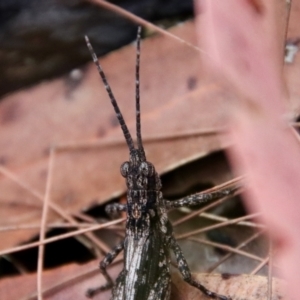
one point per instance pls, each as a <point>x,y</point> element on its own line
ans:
<point>128,15</point>
<point>49,226</point>
<point>224,219</point>
<point>260,266</point>
<point>61,236</point>
<point>22,184</point>
<point>55,207</point>
<point>270,270</point>
<point>229,222</point>
<point>115,142</point>
<point>41,250</point>
<point>241,245</point>
<point>227,248</point>
<point>71,280</point>
<point>85,217</point>
<point>96,143</point>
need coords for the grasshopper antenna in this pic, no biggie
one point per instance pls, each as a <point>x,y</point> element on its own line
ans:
<point>114,103</point>
<point>137,93</point>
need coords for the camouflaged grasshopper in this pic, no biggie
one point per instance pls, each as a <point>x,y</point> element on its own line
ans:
<point>149,234</point>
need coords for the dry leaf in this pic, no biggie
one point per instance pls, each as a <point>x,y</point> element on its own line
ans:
<point>51,114</point>
<point>56,112</point>
<point>67,282</point>
<point>264,147</point>
<point>72,281</point>
<point>238,287</point>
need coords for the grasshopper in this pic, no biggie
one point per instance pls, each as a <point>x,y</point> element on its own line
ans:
<point>149,233</point>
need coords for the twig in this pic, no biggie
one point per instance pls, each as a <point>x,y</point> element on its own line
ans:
<point>224,219</point>
<point>229,222</point>
<point>270,270</point>
<point>41,250</point>
<point>55,207</point>
<point>227,248</point>
<point>260,266</point>
<point>61,236</point>
<point>130,16</point>
<point>241,245</point>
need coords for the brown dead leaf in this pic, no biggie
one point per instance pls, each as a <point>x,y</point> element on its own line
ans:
<point>238,287</point>
<point>264,147</point>
<point>72,281</point>
<point>51,114</point>
<point>67,282</point>
<point>176,99</point>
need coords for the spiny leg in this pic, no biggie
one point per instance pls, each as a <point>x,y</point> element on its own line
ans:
<point>186,273</point>
<point>108,259</point>
<point>113,209</point>
<point>200,198</point>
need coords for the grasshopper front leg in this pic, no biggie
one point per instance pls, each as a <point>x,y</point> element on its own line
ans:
<point>108,259</point>
<point>186,273</point>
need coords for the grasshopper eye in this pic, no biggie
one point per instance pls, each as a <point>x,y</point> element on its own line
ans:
<point>146,168</point>
<point>124,169</point>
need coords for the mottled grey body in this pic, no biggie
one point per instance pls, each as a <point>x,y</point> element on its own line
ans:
<point>146,273</point>
<point>149,234</point>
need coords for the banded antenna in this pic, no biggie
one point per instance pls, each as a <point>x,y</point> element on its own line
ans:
<point>114,103</point>
<point>137,93</point>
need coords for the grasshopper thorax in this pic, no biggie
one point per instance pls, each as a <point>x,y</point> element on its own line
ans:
<point>144,186</point>
<point>139,173</point>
